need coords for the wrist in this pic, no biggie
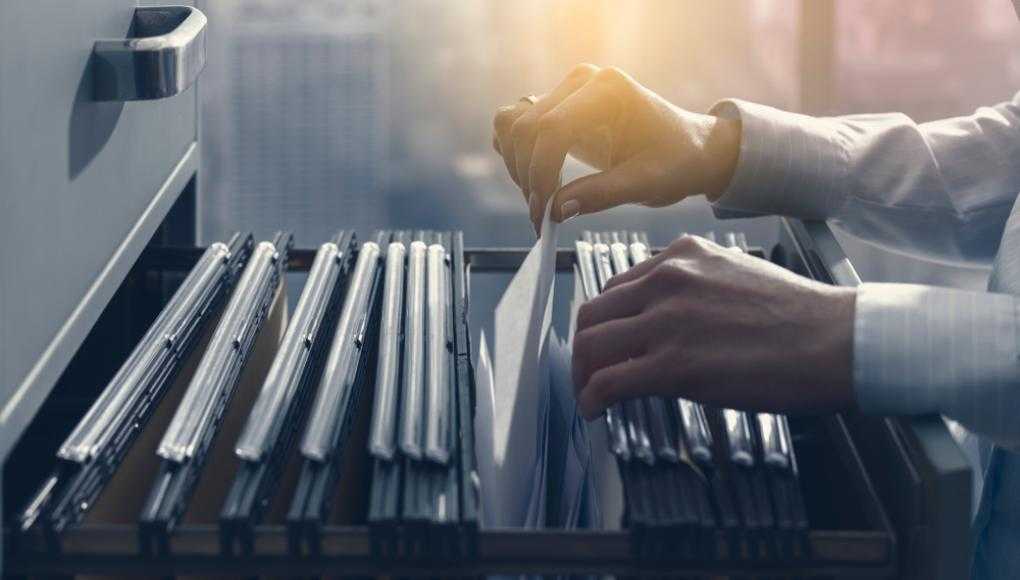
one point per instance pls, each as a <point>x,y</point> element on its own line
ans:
<point>721,149</point>
<point>831,349</point>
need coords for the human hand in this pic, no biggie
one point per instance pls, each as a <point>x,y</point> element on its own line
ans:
<point>649,151</point>
<point>717,326</point>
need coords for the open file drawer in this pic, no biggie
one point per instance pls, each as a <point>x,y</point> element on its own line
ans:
<point>851,533</point>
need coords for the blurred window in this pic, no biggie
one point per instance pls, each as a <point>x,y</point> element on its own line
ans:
<point>927,58</point>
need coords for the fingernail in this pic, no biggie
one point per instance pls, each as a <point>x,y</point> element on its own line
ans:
<point>570,208</point>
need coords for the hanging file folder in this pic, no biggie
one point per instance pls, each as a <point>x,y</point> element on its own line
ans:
<point>186,442</point>
<point>424,497</point>
<point>331,478</point>
<point>96,448</point>
<point>267,441</point>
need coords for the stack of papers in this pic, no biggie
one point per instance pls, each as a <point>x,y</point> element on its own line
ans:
<point>536,455</point>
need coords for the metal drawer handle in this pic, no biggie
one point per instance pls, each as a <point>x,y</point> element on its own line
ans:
<point>163,56</point>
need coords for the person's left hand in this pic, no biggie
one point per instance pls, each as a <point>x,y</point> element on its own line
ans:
<point>717,326</point>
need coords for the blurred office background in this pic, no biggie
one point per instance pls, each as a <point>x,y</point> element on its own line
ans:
<point>322,114</point>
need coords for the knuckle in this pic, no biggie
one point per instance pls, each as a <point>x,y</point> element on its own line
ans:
<point>664,275</point>
<point>683,245</point>
<point>701,244</point>
<point>656,326</point>
<point>521,128</point>
<point>503,119</point>
<point>584,342</point>
<point>585,316</point>
<point>549,122</point>
<point>601,389</point>
<point>582,72</point>
<point>612,76</point>
<point>675,364</point>
<point>614,281</point>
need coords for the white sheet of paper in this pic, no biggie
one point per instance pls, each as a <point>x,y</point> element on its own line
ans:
<point>574,447</point>
<point>522,321</point>
<point>484,459</point>
<point>535,516</point>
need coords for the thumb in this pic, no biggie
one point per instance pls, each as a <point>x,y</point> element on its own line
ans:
<point>600,191</point>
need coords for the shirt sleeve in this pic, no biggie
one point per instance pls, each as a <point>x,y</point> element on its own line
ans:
<point>942,189</point>
<point>921,349</point>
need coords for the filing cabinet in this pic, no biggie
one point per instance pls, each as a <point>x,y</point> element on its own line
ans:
<point>99,138</point>
<point>99,155</point>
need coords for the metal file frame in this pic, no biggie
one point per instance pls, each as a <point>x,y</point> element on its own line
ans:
<point>933,470</point>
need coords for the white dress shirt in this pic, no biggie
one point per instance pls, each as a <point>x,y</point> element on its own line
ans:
<point>943,189</point>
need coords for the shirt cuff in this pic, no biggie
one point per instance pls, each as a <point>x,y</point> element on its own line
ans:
<point>788,164</point>
<point>921,349</point>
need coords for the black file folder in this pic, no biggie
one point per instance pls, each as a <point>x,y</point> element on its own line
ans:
<point>187,440</point>
<point>773,474</point>
<point>424,498</point>
<point>331,480</point>
<point>668,509</point>
<point>691,474</point>
<point>96,448</point>
<point>265,446</point>
<point>368,462</point>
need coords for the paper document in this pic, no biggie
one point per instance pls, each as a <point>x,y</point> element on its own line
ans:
<point>569,451</point>
<point>521,393</point>
<point>484,411</point>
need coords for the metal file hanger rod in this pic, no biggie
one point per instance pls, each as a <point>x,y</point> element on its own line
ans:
<point>437,397</point>
<point>638,429</point>
<point>737,423</point>
<point>117,400</point>
<point>234,333</point>
<point>656,408</point>
<point>774,433</point>
<point>614,413</point>
<point>411,425</point>
<point>282,381</point>
<point>317,442</point>
<point>693,421</point>
<point>382,438</point>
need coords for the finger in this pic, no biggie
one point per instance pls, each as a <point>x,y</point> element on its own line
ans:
<point>605,345</point>
<point>609,385</point>
<point>620,302</point>
<point>620,185</point>
<point>684,246</point>
<point>524,128</point>
<point>631,277</point>
<point>597,104</point>
<point>501,126</point>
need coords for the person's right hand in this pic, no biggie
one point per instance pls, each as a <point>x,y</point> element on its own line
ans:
<point>649,151</point>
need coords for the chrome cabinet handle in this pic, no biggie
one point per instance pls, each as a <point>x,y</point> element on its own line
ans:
<point>163,57</point>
